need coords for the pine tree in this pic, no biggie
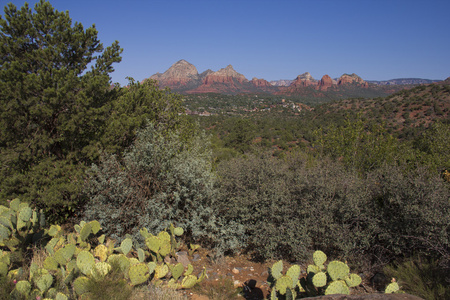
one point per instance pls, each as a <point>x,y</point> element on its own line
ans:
<point>55,94</point>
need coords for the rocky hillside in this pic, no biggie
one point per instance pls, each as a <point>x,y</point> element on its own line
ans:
<point>184,77</point>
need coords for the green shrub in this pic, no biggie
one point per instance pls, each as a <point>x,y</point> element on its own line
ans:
<point>160,180</point>
<point>290,207</point>
<point>410,211</point>
<point>421,277</point>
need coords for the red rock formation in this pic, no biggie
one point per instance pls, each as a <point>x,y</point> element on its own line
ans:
<point>353,78</point>
<point>226,75</point>
<point>179,74</point>
<point>303,80</point>
<point>260,82</point>
<point>325,83</point>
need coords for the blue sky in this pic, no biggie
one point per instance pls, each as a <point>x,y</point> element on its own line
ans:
<point>376,39</point>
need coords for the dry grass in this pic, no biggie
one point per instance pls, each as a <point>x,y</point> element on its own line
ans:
<point>156,293</point>
<point>222,289</point>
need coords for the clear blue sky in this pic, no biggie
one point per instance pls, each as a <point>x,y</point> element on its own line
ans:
<point>376,39</point>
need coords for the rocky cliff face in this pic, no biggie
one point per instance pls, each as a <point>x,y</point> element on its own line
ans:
<point>179,74</point>
<point>184,77</point>
<point>260,82</point>
<point>282,82</point>
<point>225,75</point>
<point>349,79</point>
<point>325,83</point>
<point>303,80</point>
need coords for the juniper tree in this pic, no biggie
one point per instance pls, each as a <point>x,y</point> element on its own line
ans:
<point>55,88</point>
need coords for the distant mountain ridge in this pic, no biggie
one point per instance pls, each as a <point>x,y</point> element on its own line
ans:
<point>403,81</point>
<point>183,77</point>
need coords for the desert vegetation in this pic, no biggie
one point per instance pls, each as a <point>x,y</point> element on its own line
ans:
<point>363,180</point>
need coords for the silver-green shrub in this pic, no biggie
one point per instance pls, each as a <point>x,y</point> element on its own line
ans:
<point>161,179</point>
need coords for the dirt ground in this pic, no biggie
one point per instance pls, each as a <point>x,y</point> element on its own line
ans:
<point>243,273</point>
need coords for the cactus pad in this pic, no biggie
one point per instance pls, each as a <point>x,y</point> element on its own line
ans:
<point>177,270</point>
<point>165,248</point>
<point>141,255</point>
<point>44,282</point>
<point>80,285</point>
<point>337,270</point>
<point>294,273</point>
<point>85,262</point>
<point>319,279</point>
<point>126,246</point>
<point>161,271</point>
<point>188,282</point>
<point>153,243</point>
<point>151,267</point>
<point>14,204</point>
<point>101,251</point>
<point>273,295</point>
<point>23,287</point>
<point>202,276</point>
<point>283,283</point>
<point>173,284</point>
<point>189,270</point>
<point>312,269</point>
<point>392,288</point>
<point>337,287</point>
<point>164,236</point>
<point>353,280</point>
<point>101,269</point>
<point>138,274</point>
<point>61,296</point>
<point>178,231</point>
<point>85,231</point>
<point>50,264</point>
<point>64,255</point>
<point>319,258</point>
<point>276,269</point>
<point>95,226</point>
<point>6,222</point>
<point>25,214</point>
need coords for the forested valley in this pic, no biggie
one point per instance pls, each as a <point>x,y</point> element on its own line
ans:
<point>366,181</point>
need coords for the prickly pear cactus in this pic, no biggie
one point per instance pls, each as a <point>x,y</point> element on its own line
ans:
<point>189,270</point>
<point>319,258</point>
<point>177,270</point>
<point>392,287</point>
<point>80,285</point>
<point>50,264</point>
<point>126,246</point>
<point>294,273</point>
<point>85,262</point>
<point>141,255</point>
<point>101,251</point>
<point>353,280</point>
<point>138,274</point>
<point>153,243</point>
<point>65,254</point>
<point>337,287</point>
<point>23,287</point>
<point>276,269</point>
<point>189,282</point>
<point>178,231</point>
<point>161,271</point>
<point>283,283</point>
<point>100,270</point>
<point>151,267</point>
<point>337,270</point>
<point>44,282</point>
<point>319,279</point>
